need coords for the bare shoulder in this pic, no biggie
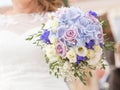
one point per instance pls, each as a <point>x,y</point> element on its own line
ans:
<point>4,10</point>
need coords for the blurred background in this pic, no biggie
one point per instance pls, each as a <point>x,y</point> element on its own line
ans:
<point>109,10</point>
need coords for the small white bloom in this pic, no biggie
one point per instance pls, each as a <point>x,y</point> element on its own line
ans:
<point>71,55</point>
<point>67,66</point>
<point>81,51</point>
<point>52,25</point>
<point>48,24</point>
<point>50,51</point>
<point>51,15</point>
<point>53,39</point>
<point>94,59</point>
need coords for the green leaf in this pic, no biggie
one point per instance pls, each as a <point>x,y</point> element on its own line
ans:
<point>92,67</point>
<point>30,37</point>
<point>43,25</point>
<point>82,80</point>
<point>50,72</point>
<point>109,45</point>
<point>104,66</point>
<point>34,42</point>
<point>53,65</point>
<point>75,74</point>
<point>58,70</point>
<point>47,59</point>
<point>38,34</point>
<point>85,63</point>
<point>90,73</point>
<point>65,2</point>
<point>103,23</point>
<point>105,37</point>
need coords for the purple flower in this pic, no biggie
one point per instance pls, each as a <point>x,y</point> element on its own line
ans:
<point>101,45</point>
<point>80,58</point>
<point>92,16</point>
<point>90,44</point>
<point>70,35</point>
<point>61,49</point>
<point>93,13</point>
<point>100,36</point>
<point>45,36</point>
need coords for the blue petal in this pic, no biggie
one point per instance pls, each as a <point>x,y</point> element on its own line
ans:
<point>45,36</point>
<point>90,44</point>
<point>93,14</point>
<point>80,58</point>
<point>101,45</point>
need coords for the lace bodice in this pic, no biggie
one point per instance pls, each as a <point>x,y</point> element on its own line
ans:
<point>21,23</point>
<point>22,64</point>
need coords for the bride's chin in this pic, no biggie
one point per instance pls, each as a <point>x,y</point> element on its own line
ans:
<point>21,2</point>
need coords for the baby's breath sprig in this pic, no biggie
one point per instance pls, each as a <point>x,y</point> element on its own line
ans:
<point>36,36</point>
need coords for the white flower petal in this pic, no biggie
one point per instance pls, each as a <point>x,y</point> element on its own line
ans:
<point>96,58</point>
<point>81,51</point>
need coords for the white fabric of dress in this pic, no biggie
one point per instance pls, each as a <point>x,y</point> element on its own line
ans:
<point>22,64</point>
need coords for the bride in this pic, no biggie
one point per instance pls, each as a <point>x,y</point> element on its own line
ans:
<point>22,65</point>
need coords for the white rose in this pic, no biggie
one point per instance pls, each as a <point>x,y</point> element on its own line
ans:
<point>52,25</point>
<point>50,51</point>
<point>95,57</point>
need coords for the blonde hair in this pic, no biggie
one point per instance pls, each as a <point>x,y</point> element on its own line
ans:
<point>49,5</point>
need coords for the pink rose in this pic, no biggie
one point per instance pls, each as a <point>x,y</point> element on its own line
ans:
<point>61,49</point>
<point>70,35</point>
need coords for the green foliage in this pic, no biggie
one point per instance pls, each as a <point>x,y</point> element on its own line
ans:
<point>47,59</point>
<point>36,37</point>
<point>108,44</point>
<point>30,37</point>
<point>65,3</point>
<point>103,23</point>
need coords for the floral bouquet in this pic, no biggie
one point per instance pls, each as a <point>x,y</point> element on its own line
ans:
<point>72,41</point>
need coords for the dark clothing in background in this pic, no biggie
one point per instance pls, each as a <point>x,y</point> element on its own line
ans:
<point>115,79</point>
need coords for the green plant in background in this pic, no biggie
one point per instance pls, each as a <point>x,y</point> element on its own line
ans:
<point>108,44</point>
<point>65,3</point>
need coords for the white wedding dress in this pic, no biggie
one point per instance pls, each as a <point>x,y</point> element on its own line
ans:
<point>22,64</point>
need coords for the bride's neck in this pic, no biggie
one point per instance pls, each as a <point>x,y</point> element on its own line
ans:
<point>31,7</point>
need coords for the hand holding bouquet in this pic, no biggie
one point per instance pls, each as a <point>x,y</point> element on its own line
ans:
<point>72,42</point>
